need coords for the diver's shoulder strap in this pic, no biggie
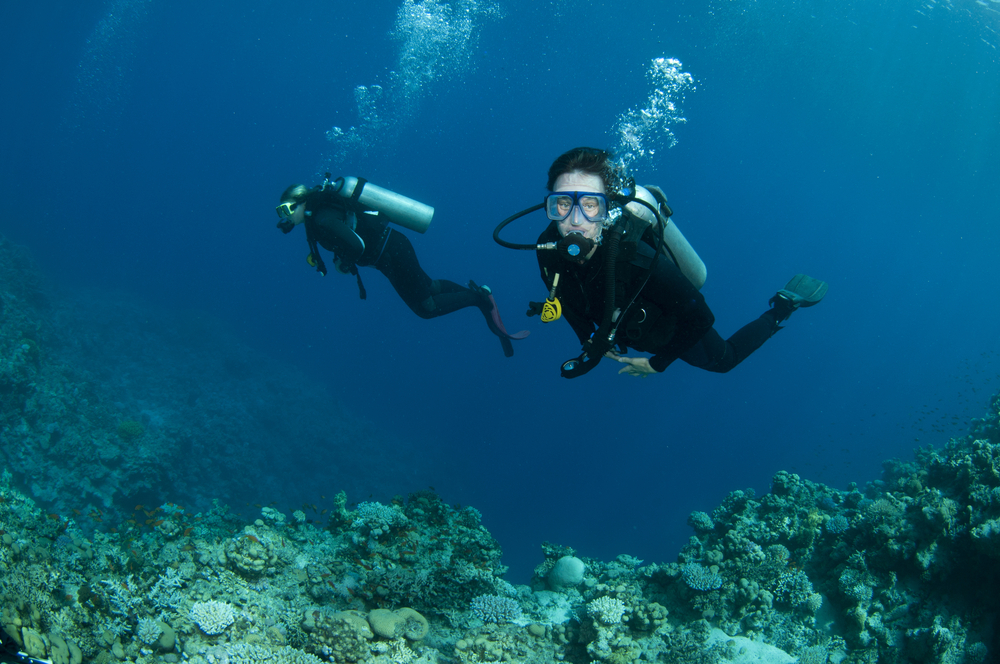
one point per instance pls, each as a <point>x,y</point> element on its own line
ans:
<point>661,200</point>
<point>358,188</point>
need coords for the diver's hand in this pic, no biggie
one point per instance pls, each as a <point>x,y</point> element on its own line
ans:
<point>634,366</point>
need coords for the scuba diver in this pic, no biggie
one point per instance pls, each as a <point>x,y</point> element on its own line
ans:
<point>624,277</point>
<point>350,217</point>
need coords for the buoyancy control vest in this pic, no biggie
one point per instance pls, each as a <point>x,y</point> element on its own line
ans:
<point>634,320</point>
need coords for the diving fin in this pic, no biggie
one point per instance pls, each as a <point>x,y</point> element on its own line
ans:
<point>492,315</point>
<point>803,291</point>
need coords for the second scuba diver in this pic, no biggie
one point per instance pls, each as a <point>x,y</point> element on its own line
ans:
<point>350,217</point>
<point>624,277</point>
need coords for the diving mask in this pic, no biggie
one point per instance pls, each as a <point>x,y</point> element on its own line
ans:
<point>286,210</point>
<point>559,205</point>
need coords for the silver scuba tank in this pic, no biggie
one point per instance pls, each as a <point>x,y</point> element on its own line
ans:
<point>686,257</point>
<point>396,208</point>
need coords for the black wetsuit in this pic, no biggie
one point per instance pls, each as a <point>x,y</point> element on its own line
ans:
<point>361,239</point>
<point>668,318</point>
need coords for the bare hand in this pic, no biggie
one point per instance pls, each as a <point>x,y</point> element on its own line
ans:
<point>634,366</point>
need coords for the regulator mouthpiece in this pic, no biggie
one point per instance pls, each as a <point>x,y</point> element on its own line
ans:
<point>575,247</point>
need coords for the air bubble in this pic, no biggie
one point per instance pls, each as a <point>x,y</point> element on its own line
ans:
<point>642,131</point>
<point>437,42</point>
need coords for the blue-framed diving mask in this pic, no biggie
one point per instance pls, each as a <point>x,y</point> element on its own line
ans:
<point>594,207</point>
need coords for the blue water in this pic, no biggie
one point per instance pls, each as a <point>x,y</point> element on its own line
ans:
<point>144,144</point>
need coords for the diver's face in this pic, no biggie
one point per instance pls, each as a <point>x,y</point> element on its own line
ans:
<point>576,222</point>
<point>298,214</point>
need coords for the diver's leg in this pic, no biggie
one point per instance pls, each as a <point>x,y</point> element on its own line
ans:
<point>426,298</point>
<point>447,296</point>
<point>713,353</point>
<point>432,298</point>
<point>710,352</point>
<point>749,338</point>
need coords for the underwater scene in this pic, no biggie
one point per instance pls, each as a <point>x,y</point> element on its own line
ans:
<point>615,332</point>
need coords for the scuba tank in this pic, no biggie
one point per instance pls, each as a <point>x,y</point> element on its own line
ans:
<point>680,250</point>
<point>396,208</point>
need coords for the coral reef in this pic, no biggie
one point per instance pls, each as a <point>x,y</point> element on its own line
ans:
<point>909,578</point>
<point>902,570</point>
<point>340,594</point>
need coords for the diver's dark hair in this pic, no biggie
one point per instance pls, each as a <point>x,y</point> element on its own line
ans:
<point>297,193</point>
<point>594,161</point>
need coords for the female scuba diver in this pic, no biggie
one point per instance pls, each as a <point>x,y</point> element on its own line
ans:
<point>350,217</point>
<point>623,277</point>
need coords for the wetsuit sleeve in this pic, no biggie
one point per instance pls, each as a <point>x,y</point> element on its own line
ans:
<point>675,294</point>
